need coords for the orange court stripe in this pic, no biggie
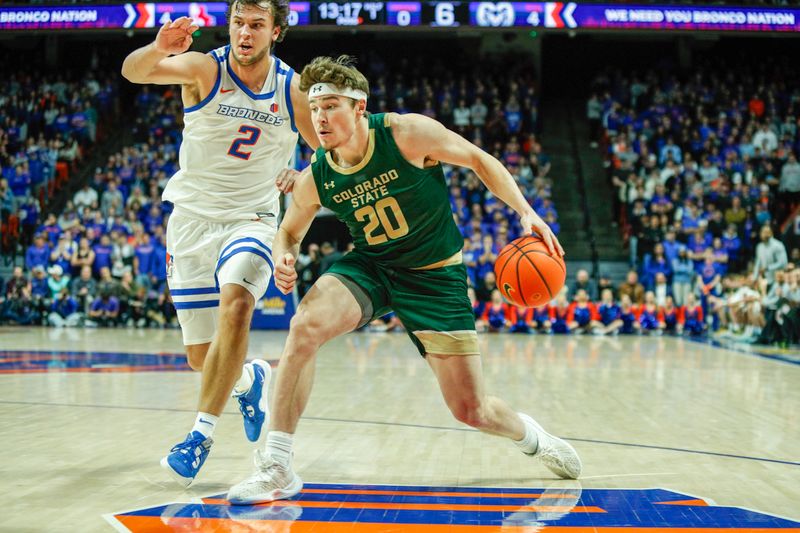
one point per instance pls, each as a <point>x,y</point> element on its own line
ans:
<point>443,494</point>
<point>695,503</point>
<point>154,524</point>
<point>96,370</point>
<point>425,506</point>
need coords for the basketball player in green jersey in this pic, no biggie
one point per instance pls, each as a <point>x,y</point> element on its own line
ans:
<point>381,175</point>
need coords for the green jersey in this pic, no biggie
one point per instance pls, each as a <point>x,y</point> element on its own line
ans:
<point>398,214</point>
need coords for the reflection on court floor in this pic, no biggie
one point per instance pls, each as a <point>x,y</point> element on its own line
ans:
<point>379,508</point>
<point>21,362</point>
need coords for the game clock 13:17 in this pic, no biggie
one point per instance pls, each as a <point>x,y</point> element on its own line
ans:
<point>349,13</point>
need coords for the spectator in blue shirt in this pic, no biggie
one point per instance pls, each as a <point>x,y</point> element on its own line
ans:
<point>104,311</point>
<point>671,246</point>
<point>20,182</point>
<point>38,254</point>
<point>160,262</point>
<point>144,261</point>
<point>64,311</point>
<point>732,244</point>
<point>670,151</point>
<point>102,254</point>
<point>682,276</point>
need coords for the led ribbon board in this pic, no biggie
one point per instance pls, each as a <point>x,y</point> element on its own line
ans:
<point>548,15</point>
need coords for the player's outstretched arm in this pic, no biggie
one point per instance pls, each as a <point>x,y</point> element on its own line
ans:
<point>421,139</point>
<point>293,228</point>
<point>153,64</point>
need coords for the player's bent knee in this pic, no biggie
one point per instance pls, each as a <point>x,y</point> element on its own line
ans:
<point>469,413</point>
<point>308,329</point>
<point>237,309</point>
<point>196,356</point>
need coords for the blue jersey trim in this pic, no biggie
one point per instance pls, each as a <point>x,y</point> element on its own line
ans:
<point>249,249</point>
<point>278,64</point>
<point>192,292</point>
<point>196,305</point>
<point>240,241</point>
<point>211,95</point>
<point>288,93</point>
<point>244,88</point>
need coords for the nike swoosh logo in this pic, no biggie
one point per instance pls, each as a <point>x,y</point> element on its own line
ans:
<point>508,289</point>
<point>206,422</point>
<point>245,280</point>
<point>223,91</point>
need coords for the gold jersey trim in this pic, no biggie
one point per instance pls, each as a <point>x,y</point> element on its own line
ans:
<point>449,342</point>
<point>359,166</point>
<point>455,259</point>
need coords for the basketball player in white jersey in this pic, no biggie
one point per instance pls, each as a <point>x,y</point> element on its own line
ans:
<point>242,112</point>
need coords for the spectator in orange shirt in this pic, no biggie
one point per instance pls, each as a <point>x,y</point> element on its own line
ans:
<point>670,317</point>
<point>521,319</point>
<point>496,313</point>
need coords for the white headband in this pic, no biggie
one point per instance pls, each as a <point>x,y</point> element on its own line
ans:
<point>326,89</point>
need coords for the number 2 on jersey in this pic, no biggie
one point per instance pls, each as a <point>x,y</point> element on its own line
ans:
<point>253,134</point>
<point>377,215</point>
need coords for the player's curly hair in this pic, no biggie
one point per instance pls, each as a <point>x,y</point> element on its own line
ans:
<point>279,9</point>
<point>340,72</point>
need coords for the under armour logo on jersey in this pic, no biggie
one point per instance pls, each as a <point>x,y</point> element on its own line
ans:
<point>328,185</point>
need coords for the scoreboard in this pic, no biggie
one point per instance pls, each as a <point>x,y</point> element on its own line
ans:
<point>432,14</point>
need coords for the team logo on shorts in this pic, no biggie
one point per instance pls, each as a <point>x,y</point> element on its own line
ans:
<point>375,508</point>
<point>170,265</point>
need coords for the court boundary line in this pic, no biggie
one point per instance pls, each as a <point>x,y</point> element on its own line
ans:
<point>734,347</point>
<point>420,426</point>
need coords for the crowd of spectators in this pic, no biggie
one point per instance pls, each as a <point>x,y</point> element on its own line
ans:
<point>704,169</point>
<point>756,311</point>
<point>47,122</point>
<point>101,261</point>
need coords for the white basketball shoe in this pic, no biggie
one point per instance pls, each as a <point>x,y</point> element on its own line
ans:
<point>556,454</point>
<point>271,481</point>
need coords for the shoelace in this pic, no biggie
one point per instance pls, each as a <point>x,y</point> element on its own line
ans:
<point>188,445</point>
<point>243,409</point>
<point>263,461</point>
<point>550,452</point>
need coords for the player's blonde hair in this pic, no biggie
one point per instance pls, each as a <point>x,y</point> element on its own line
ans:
<point>339,72</point>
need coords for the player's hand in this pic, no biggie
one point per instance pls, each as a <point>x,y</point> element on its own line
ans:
<point>531,222</point>
<point>175,37</point>
<point>285,180</point>
<point>285,274</point>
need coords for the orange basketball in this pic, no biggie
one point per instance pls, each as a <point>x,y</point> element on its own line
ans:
<point>527,274</point>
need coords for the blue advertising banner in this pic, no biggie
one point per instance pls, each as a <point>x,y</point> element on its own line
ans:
<point>274,310</point>
<point>552,15</point>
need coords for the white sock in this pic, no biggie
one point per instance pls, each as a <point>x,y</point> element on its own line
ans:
<point>530,442</point>
<point>279,447</point>
<point>245,381</point>
<point>205,424</point>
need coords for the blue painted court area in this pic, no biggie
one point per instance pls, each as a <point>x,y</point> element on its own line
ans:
<point>416,508</point>
<point>24,361</point>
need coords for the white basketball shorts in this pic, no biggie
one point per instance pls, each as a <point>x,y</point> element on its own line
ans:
<point>203,256</point>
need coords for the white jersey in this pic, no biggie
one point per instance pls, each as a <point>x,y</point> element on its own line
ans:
<point>234,145</point>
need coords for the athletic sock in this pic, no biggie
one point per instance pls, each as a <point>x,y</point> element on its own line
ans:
<point>245,381</point>
<point>279,447</point>
<point>205,424</point>
<point>530,442</point>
